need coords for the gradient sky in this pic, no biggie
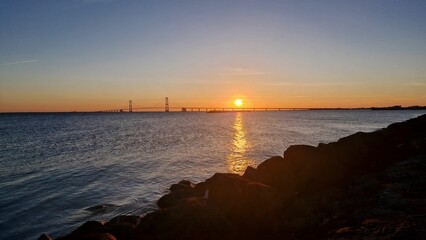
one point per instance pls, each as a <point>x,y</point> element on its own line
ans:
<point>80,55</point>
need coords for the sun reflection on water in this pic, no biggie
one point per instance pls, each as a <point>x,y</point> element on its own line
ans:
<point>237,161</point>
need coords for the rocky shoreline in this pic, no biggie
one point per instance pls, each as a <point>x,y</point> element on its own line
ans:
<point>366,185</point>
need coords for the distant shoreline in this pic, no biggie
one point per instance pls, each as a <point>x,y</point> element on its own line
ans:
<point>392,108</point>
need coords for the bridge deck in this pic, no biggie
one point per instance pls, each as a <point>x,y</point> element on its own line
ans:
<point>203,109</point>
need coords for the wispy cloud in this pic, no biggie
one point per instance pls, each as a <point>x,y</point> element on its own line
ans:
<point>18,62</point>
<point>310,84</point>
<point>245,71</point>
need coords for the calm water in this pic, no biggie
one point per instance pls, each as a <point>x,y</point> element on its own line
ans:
<point>54,166</point>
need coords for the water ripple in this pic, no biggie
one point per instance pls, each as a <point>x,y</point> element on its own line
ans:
<point>53,167</point>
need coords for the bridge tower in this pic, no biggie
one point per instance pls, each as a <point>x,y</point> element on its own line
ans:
<point>166,106</point>
<point>130,106</point>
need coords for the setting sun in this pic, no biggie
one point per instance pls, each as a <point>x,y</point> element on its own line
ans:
<point>238,102</point>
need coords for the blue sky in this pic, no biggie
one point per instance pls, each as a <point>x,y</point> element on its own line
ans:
<point>92,54</point>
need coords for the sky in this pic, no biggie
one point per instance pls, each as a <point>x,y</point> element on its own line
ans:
<point>89,55</point>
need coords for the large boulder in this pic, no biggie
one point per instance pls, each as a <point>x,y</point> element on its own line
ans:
<point>178,193</point>
<point>123,227</point>
<point>361,152</point>
<point>269,172</point>
<point>304,169</point>
<point>192,219</point>
<point>182,185</point>
<point>90,226</point>
<point>89,236</point>
<point>174,198</point>
<point>308,169</point>
<point>44,236</point>
<point>398,133</point>
<point>90,230</point>
<point>247,203</point>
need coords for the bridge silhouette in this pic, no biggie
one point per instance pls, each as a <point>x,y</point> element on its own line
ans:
<point>167,108</point>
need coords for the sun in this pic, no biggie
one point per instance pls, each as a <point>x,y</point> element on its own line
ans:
<point>238,102</point>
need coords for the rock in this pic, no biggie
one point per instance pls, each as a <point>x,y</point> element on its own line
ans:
<point>97,236</point>
<point>178,187</point>
<point>179,192</point>
<point>272,165</point>
<point>345,230</point>
<point>123,227</point>
<point>402,132</point>
<point>182,185</point>
<point>307,169</point>
<point>192,219</point>
<point>371,221</point>
<point>268,172</point>
<point>89,227</point>
<point>363,152</point>
<point>90,230</point>
<point>304,169</point>
<point>251,173</point>
<point>300,152</point>
<point>174,198</point>
<point>89,236</point>
<point>247,203</point>
<point>200,189</point>
<point>44,237</point>
<point>187,183</point>
<point>124,219</point>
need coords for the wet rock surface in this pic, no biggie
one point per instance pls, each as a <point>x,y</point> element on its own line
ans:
<point>364,186</point>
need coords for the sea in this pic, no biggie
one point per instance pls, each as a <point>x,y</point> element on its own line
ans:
<point>59,170</point>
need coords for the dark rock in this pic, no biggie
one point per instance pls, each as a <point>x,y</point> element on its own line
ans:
<point>182,185</point>
<point>89,236</point>
<point>268,172</point>
<point>303,169</point>
<point>300,152</point>
<point>193,219</point>
<point>187,183</point>
<point>124,219</point>
<point>346,230</point>
<point>179,187</point>
<point>200,189</point>
<point>251,173</point>
<point>307,169</point>
<point>362,152</point>
<point>404,131</point>
<point>90,227</point>
<point>247,203</point>
<point>44,237</point>
<point>174,198</point>
<point>123,227</point>
<point>272,165</point>
<point>90,230</point>
<point>95,236</point>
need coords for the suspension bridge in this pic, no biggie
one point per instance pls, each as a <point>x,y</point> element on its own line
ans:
<point>167,108</point>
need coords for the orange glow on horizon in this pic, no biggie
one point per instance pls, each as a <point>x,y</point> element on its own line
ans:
<point>238,102</point>
<point>41,102</point>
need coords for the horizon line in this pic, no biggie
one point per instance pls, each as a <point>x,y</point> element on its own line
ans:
<point>240,109</point>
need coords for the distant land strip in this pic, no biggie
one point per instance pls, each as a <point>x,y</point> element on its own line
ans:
<point>397,107</point>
